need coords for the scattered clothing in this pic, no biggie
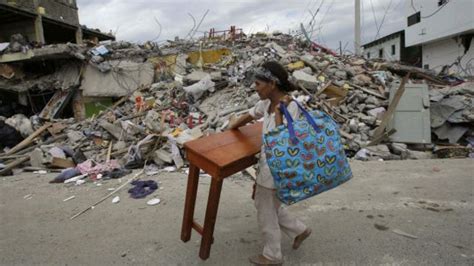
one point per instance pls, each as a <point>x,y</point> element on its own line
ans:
<point>116,173</point>
<point>142,189</point>
<point>65,175</point>
<point>92,170</point>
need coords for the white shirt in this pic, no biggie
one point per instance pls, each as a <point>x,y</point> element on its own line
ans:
<point>260,110</point>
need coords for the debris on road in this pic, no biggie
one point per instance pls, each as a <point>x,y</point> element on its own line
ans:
<point>106,109</point>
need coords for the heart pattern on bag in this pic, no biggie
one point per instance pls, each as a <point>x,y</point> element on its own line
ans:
<point>309,164</point>
<point>293,151</point>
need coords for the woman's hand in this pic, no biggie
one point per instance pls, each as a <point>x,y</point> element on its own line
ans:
<point>232,122</point>
<point>236,122</point>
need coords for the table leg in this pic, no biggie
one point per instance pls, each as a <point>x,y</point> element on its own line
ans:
<point>210,219</point>
<point>190,203</point>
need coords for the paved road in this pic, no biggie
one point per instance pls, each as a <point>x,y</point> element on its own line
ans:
<point>361,223</point>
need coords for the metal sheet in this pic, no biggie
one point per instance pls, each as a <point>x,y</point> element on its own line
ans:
<point>411,119</point>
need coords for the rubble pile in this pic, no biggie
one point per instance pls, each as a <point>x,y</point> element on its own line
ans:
<point>118,106</point>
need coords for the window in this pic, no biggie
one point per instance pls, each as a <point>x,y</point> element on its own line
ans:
<point>393,49</point>
<point>413,19</point>
<point>426,66</point>
<point>368,55</point>
<point>381,53</point>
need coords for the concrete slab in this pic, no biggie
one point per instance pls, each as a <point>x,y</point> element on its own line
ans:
<point>124,78</point>
<point>59,51</point>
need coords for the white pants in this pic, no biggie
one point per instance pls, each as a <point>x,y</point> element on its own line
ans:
<point>272,219</point>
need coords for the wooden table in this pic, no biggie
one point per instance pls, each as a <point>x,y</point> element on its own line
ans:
<point>220,155</point>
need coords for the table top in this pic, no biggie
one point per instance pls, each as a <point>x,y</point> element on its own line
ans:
<point>228,152</point>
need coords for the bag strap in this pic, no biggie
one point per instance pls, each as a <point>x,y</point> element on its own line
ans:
<point>289,120</point>
<point>308,117</point>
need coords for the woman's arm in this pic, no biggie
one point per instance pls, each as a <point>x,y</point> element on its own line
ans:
<point>240,121</point>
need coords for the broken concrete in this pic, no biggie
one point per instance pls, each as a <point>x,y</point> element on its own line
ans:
<point>124,78</point>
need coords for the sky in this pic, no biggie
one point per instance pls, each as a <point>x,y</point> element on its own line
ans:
<point>158,20</point>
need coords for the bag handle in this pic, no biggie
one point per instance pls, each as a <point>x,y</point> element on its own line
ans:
<point>289,120</point>
<point>308,117</point>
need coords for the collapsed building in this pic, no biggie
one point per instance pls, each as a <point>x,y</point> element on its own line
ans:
<point>100,109</point>
<point>25,27</point>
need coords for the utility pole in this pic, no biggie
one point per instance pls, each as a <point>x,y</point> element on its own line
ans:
<point>357,28</point>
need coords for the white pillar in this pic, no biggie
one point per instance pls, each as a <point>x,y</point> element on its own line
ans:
<point>357,28</point>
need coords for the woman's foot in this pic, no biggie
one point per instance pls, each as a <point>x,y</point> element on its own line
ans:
<point>262,260</point>
<point>301,237</point>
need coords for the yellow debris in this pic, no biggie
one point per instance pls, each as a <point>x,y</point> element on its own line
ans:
<point>176,132</point>
<point>296,65</point>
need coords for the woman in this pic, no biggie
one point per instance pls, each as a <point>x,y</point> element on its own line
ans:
<point>272,86</point>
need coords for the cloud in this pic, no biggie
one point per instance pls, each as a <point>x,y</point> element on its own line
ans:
<point>137,20</point>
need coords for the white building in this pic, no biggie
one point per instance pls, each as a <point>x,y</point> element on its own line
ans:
<point>444,29</point>
<point>392,48</point>
<point>387,47</point>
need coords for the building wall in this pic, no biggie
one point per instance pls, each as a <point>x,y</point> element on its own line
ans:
<point>387,50</point>
<point>25,27</point>
<point>447,51</point>
<point>64,11</point>
<point>26,5</point>
<point>61,10</point>
<point>454,18</point>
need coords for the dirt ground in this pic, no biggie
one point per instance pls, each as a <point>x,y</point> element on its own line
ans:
<point>392,213</point>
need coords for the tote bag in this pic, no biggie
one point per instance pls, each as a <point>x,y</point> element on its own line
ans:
<point>306,156</point>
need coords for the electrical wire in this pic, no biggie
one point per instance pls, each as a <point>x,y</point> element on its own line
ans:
<point>304,11</point>
<point>199,24</point>
<point>159,31</point>
<point>194,25</point>
<point>413,6</point>
<point>383,19</point>
<point>434,13</point>
<point>324,17</point>
<point>311,23</point>
<point>373,13</point>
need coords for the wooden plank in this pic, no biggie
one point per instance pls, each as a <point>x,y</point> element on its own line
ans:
<point>323,89</point>
<point>26,142</point>
<point>109,195</point>
<point>62,163</point>
<point>109,151</point>
<point>381,138</point>
<point>56,104</point>
<point>16,156</point>
<point>381,89</point>
<point>368,91</point>
<point>414,71</point>
<point>13,164</point>
<point>391,108</point>
<point>300,85</point>
<point>49,141</point>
